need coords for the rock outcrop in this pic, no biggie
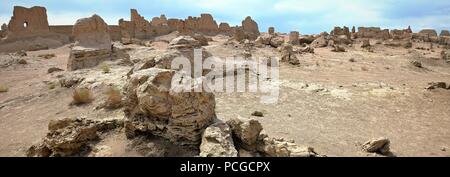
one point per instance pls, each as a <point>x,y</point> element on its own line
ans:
<point>70,137</point>
<point>153,106</point>
<point>217,141</point>
<point>92,43</point>
<point>248,137</point>
<point>380,145</point>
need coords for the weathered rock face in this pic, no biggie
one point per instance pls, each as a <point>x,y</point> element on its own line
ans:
<point>69,137</point>
<point>217,141</point>
<point>294,38</point>
<point>92,43</point>
<point>278,147</point>
<point>372,32</point>
<point>154,107</point>
<point>251,142</point>
<point>250,28</point>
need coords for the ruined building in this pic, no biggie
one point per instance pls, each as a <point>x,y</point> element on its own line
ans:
<point>28,29</point>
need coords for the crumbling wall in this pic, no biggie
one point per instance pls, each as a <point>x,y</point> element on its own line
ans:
<point>338,31</point>
<point>373,32</point>
<point>3,31</point>
<point>401,34</point>
<point>224,28</point>
<point>62,29</point>
<point>28,29</point>
<point>115,32</point>
<point>28,21</point>
<point>426,35</point>
<point>250,28</point>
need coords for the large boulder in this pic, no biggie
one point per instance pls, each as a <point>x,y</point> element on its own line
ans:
<point>155,105</point>
<point>217,141</point>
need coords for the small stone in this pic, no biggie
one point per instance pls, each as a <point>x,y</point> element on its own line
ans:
<point>54,69</point>
<point>258,114</point>
<point>380,145</point>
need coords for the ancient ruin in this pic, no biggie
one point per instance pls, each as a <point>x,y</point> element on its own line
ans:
<point>28,29</point>
<point>92,43</point>
<point>93,89</point>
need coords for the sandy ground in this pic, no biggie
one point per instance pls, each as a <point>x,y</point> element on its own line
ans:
<point>327,102</point>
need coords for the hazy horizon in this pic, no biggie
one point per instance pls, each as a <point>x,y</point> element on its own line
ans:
<point>308,17</point>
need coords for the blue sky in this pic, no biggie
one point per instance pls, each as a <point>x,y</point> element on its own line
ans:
<point>306,16</point>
